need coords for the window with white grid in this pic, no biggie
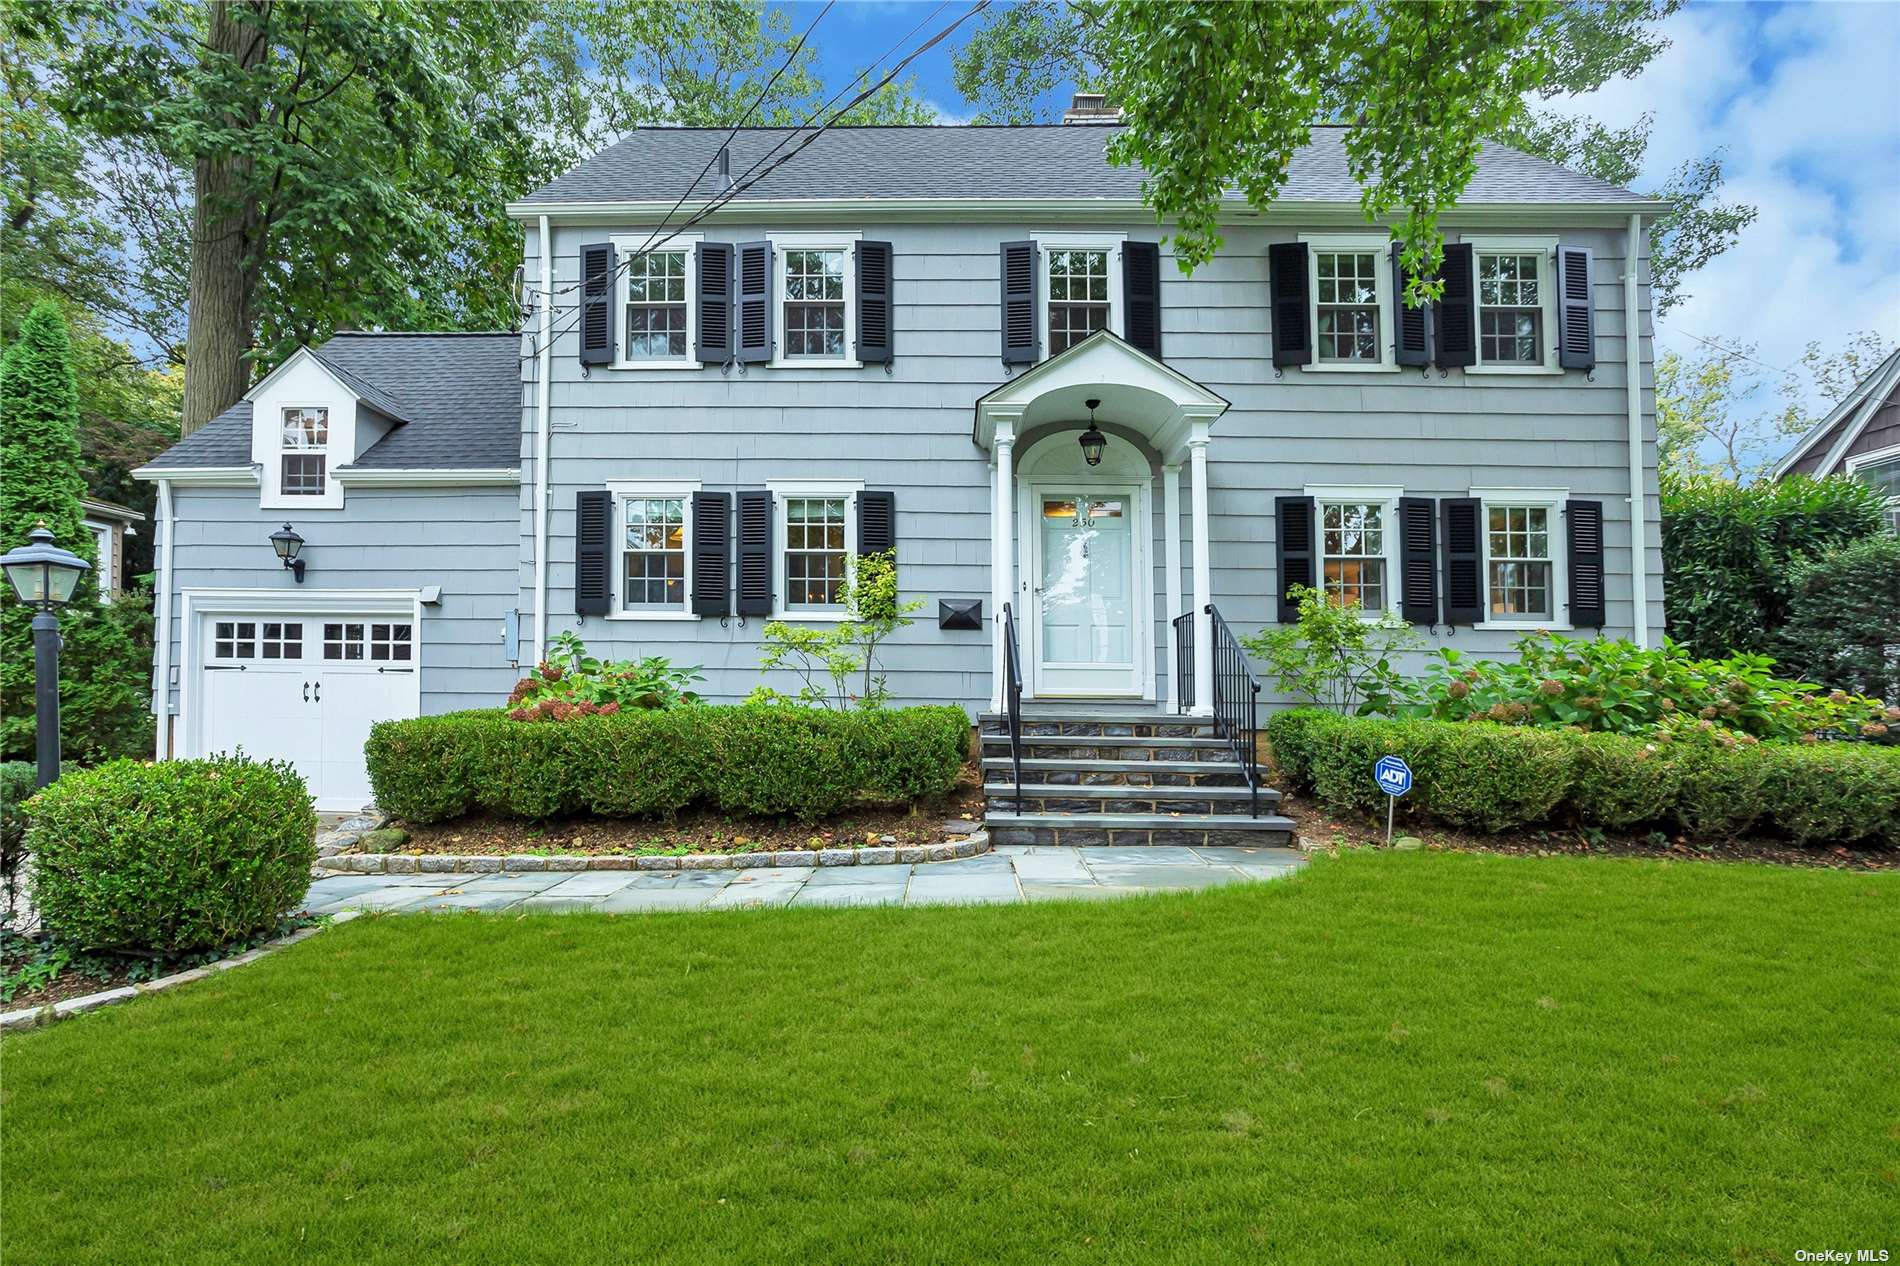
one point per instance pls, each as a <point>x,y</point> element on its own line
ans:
<point>305,434</point>
<point>1353,553</point>
<point>1510,307</point>
<point>657,320</point>
<point>234,639</point>
<point>344,640</point>
<point>1518,559</point>
<point>815,551</point>
<point>653,553</point>
<point>1346,290</point>
<point>814,281</point>
<point>393,642</point>
<point>281,640</point>
<point>1078,296</point>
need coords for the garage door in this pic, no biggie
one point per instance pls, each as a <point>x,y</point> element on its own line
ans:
<point>306,690</point>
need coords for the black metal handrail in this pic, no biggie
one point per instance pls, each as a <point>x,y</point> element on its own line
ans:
<point>1183,662</point>
<point>1013,698</point>
<point>1236,701</point>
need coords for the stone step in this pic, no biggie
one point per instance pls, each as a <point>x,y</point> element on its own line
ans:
<point>1123,829</point>
<point>1111,747</point>
<point>1180,801</point>
<point>1130,724</point>
<point>1070,772</point>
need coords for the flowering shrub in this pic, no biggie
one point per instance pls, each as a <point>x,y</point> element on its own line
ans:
<point>571,683</point>
<point>1618,688</point>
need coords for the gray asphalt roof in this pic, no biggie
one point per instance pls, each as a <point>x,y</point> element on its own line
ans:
<point>989,162</point>
<point>457,398</point>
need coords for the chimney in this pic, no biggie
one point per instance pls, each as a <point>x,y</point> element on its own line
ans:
<point>1091,107</point>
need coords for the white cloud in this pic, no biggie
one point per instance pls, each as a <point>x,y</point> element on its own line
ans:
<point>1806,101</point>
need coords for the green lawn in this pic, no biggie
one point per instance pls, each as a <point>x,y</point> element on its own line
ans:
<point>1391,1057</point>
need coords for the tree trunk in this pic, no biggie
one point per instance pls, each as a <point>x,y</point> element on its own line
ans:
<point>223,220</point>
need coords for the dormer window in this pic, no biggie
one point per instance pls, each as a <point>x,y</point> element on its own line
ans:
<point>304,461</point>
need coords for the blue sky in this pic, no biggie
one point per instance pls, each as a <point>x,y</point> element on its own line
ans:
<point>1804,98</point>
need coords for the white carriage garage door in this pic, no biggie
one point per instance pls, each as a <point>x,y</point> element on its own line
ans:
<point>305,688</point>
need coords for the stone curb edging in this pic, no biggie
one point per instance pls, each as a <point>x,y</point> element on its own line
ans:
<point>33,1017</point>
<point>409,864</point>
<point>346,833</point>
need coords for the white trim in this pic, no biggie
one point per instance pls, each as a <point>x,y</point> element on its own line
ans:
<point>781,490</point>
<point>1545,248</point>
<point>543,442</point>
<point>686,244</point>
<point>337,425</point>
<point>1198,436</point>
<point>624,490</point>
<point>1171,547</point>
<point>248,476</point>
<point>845,240</point>
<point>1633,431</point>
<point>1859,405</point>
<point>1556,535</point>
<point>430,477</point>
<point>110,510</point>
<point>1110,244</point>
<point>1386,497</point>
<point>1379,246</point>
<point>303,353</point>
<point>162,639</point>
<point>1874,457</point>
<point>1031,485</point>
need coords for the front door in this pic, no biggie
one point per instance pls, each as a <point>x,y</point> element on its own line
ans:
<point>1085,636</point>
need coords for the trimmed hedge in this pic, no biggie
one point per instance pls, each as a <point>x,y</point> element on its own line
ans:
<point>1497,777</point>
<point>749,761</point>
<point>170,857</point>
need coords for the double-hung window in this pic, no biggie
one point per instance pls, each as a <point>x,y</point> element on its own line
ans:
<point>1523,542</point>
<point>817,539</point>
<point>1081,288</point>
<point>1358,542</point>
<point>1351,289</point>
<point>304,460</point>
<point>654,287</point>
<point>814,277</point>
<point>1881,469</point>
<point>653,522</point>
<point>1516,303</point>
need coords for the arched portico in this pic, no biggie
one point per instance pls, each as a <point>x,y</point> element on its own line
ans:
<point>1153,416</point>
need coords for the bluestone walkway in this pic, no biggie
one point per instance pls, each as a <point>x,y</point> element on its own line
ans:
<point>1008,875</point>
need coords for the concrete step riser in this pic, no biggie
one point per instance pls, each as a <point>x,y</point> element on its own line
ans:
<point>1002,802</point>
<point>1111,729</point>
<point>1059,749</point>
<point>1214,777</point>
<point>1084,836</point>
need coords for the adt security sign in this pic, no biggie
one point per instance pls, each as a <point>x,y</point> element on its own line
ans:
<point>1394,777</point>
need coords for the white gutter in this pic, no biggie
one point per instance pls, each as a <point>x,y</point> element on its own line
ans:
<point>162,605</point>
<point>541,438</point>
<point>467,477</point>
<point>1633,372</point>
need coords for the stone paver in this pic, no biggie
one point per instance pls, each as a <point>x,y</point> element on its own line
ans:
<point>1010,874</point>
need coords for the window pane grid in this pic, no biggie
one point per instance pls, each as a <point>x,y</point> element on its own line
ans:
<point>1352,545</point>
<point>1348,296</point>
<point>282,641</point>
<point>390,642</point>
<point>1510,309</point>
<point>1518,542</point>
<point>234,639</point>
<point>814,551</point>
<point>343,641</point>
<point>653,561</point>
<point>303,474</point>
<point>656,306</point>
<point>814,304</point>
<point>1078,296</point>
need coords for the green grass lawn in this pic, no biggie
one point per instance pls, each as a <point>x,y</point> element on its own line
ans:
<point>1391,1057</point>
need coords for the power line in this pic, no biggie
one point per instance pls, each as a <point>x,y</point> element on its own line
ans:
<point>1728,351</point>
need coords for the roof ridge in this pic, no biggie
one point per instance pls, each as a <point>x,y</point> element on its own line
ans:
<point>421,334</point>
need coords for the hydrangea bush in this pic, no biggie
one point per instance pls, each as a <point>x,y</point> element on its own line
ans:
<point>571,683</point>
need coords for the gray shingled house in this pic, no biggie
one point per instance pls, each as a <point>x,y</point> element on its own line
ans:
<point>747,358</point>
<point>1860,436</point>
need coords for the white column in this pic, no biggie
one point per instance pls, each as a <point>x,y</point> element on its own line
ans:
<point>1203,572</point>
<point>1002,549</point>
<point>1171,559</point>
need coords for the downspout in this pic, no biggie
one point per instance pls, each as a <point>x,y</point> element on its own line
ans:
<point>1633,370</point>
<point>544,360</point>
<point>162,633</point>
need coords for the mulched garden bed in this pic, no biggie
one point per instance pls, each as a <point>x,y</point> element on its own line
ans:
<point>1319,826</point>
<point>922,823</point>
<point>74,975</point>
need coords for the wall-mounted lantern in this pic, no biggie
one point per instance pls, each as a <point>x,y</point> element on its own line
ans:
<point>288,545</point>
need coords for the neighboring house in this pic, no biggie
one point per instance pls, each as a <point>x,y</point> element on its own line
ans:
<point>1860,437</point>
<point>894,339</point>
<point>110,523</point>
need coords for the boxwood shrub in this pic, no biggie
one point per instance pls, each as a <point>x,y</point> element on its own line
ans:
<point>170,857</point>
<point>1497,777</point>
<point>757,761</point>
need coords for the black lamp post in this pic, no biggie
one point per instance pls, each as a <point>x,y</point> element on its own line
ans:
<point>288,544</point>
<point>44,575</point>
<point>1093,441</point>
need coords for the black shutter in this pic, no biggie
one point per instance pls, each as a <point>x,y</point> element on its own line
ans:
<point>1286,288</point>
<point>1464,587</point>
<point>593,533</point>
<point>1019,303</point>
<point>1576,313</point>
<point>1293,551</point>
<point>1454,324</point>
<point>874,302</point>
<point>755,552</point>
<point>712,519</point>
<point>1141,296</point>
<point>715,302</point>
<point>1585,530</point>
<point>1418,560</point>
<point>877,522</point>
<point>1412,327</point>
<point>597,304</point>
<point>753,306</point>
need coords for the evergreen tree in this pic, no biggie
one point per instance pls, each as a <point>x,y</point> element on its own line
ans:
<point>103,670</point>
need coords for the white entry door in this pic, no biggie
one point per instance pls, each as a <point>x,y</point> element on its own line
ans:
<point>1086,632</point>
<point>306,689</point>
